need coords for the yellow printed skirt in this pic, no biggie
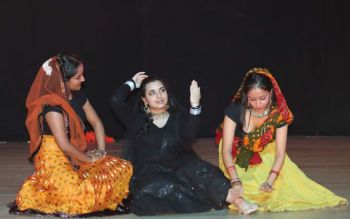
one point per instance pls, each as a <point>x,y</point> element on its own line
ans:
<point>293,190</point>
<point>55,187</point>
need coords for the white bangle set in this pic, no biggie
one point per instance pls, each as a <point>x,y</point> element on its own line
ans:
<point>131,85</point>
<point>196,110</point>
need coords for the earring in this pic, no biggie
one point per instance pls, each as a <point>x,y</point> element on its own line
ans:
<point>167,107</point>
<point>146,109</point>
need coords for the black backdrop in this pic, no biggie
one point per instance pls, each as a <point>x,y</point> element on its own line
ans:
<point>304,43</point>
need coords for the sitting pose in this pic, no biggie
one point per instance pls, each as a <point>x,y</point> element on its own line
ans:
<point>168,176</point>
<point>67,181</point>
<point>252,152</point>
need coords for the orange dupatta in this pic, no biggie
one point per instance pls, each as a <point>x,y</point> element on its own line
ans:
<point>49,88</point>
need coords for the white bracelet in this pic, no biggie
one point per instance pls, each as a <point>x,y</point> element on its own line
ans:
<point>196,111</point>
<point>131,85</point>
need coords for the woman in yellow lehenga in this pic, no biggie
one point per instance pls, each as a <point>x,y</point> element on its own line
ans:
<point>252,150</point>
<point>67,181</point>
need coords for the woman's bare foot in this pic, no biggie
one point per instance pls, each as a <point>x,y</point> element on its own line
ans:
<point>244,207</point>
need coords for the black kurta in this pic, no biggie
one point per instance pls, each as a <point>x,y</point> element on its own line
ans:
<point>168,175</point>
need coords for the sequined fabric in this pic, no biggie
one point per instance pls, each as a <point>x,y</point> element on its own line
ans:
<point>56,187</point>
<point>185,185</point>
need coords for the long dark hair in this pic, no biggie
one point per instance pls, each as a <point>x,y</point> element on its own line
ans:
<point>253,80</point>
<point>69,64</point>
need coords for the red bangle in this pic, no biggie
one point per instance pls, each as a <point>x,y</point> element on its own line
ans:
<point>275,172</point>
<point>230,167</point>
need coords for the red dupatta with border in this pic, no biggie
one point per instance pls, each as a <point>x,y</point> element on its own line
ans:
<point>246,150</point>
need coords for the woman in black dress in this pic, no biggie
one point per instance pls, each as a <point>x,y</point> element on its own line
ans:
<point>168,175</point>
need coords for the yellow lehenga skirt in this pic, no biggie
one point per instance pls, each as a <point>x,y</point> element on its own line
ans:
<point>56,187</point>
<point>293,190</point>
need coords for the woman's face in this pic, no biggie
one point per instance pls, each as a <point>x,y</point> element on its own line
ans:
<point>156,97</point>
<point>258,99</point>
<point>74,83</point>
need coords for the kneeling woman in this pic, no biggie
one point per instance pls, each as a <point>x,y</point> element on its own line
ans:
<point>67,182</point>
<point>168,175</point>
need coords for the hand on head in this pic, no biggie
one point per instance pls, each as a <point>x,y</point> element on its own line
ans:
<point>138,78</point>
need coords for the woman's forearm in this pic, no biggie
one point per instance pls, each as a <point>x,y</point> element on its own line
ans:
<point>281,144</point>
<point>72,151</point>
<point>100,135</point>
<point>227,141</point>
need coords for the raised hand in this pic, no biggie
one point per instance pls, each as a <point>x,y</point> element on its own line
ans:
<point>195,94</point>
<point>138,78</point>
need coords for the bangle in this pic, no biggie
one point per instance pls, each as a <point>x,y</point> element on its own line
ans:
<point>93,159</point>
<point>196,110</point>
<point>275,172</point>
<point>196,107</point>
<point>131,84</point>
<point>235,181</point>
<point>134,82</point>
<point>230,167</point>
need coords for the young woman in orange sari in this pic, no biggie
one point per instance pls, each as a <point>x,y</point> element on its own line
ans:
<point>67,181</point>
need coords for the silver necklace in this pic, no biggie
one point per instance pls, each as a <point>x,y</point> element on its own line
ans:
<point>160,116</point>
<point>260,115</point>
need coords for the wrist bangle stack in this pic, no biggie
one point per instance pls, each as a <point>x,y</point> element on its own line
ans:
<point>135,85</point>
<point>235,181</point>
<point>131,83</point>
<point>196,107</point>
<point>196,110</point>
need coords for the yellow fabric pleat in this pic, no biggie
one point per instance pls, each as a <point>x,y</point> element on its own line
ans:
<point>56,187</point>
<point>293,190</point>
